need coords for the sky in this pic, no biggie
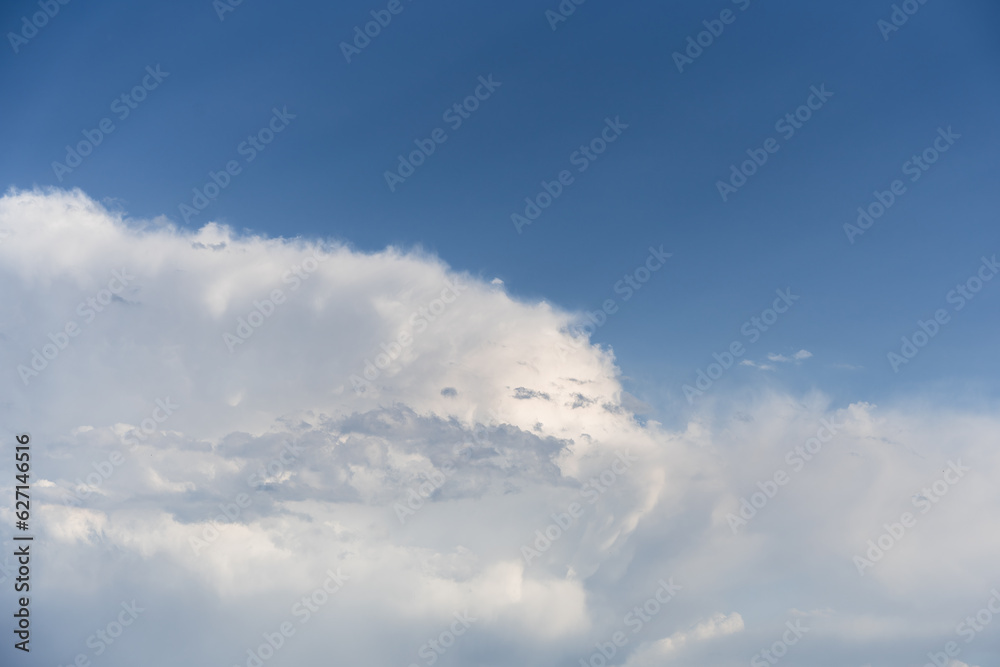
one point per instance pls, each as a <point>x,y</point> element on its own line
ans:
<point>672,242</point>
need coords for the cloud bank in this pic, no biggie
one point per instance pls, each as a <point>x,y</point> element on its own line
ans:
<point>273,451</point>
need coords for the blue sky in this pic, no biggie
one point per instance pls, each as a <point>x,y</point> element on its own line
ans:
<point>324,176</point>
<point>274,281</point>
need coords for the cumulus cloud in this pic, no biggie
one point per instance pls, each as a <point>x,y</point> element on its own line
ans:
<point>405,464</point>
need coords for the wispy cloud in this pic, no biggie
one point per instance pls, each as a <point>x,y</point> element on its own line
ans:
<point>718,625</point>
<point>754,364</point>
<point>798,357</point>
<point>775,358</point>
<point>848,367</point>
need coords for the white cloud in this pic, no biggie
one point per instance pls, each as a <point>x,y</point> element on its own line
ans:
<point>775,358</point>
<point>795,358</point>
<point>492,397</point>
<point>718,625</point>
<point>759,366</point>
